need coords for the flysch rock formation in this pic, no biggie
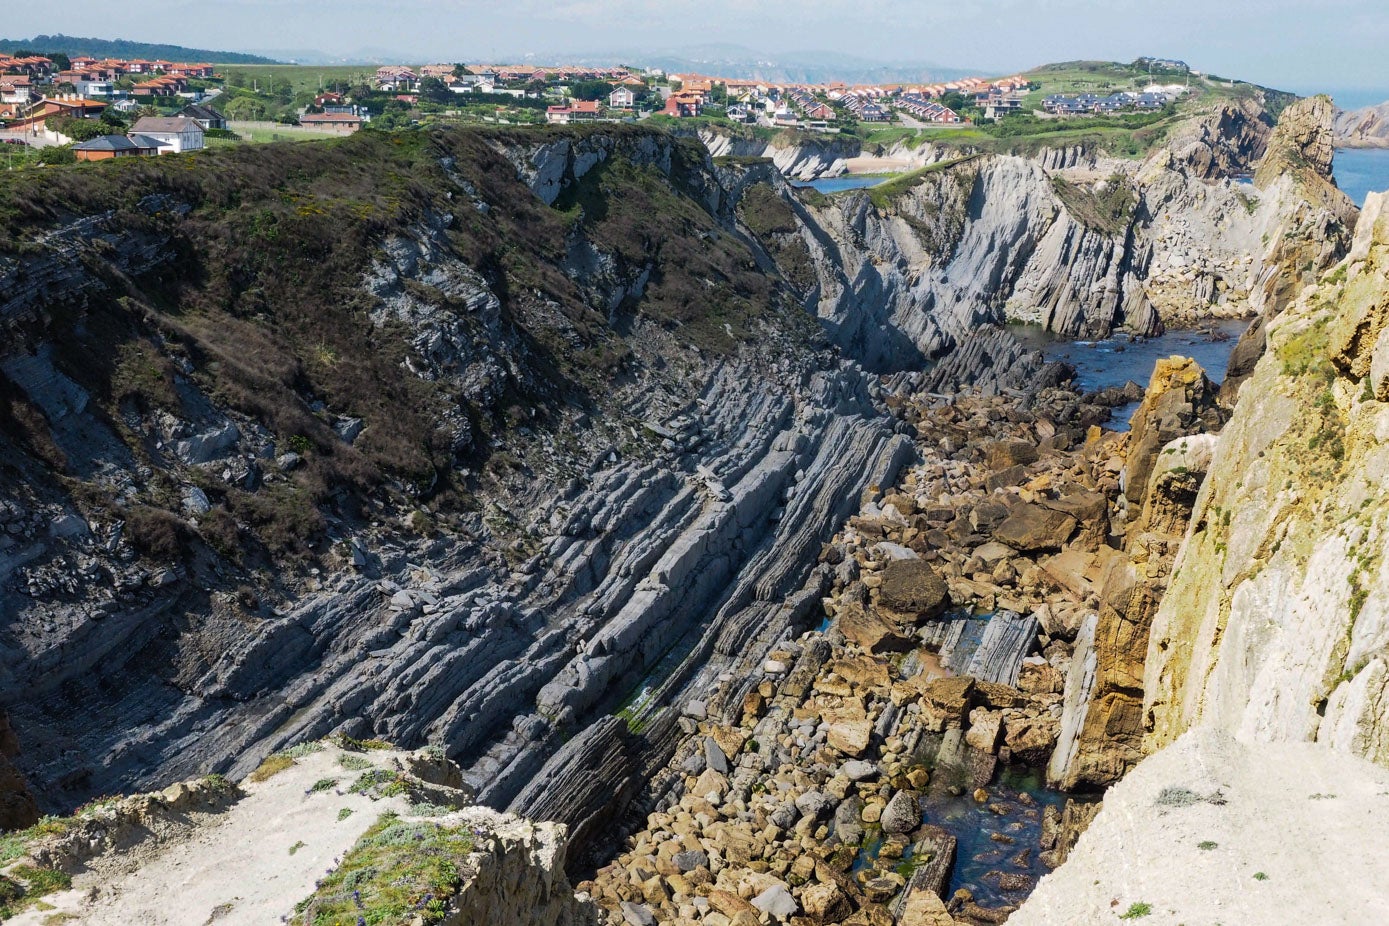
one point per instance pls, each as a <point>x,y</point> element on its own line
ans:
<point>1363,128</point>
<point>336,831</point>
<point>1215,829</point>
<point>902,698</point>
<point>1273,626</point>
<point>1077,242</point>
<point>640,552</point>
<point>685,510</point>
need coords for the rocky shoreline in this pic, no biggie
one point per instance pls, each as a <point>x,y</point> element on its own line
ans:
<point>806,791</point>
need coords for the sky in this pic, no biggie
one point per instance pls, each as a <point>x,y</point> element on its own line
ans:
<point>1303,45</point>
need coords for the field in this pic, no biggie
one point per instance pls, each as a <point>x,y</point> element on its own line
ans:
<point>261,132</point>
<point>310,78</point>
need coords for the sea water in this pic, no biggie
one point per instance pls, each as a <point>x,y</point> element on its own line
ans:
<point>846,182</point>
<point>1361,171</point>
<point>1115,360</point>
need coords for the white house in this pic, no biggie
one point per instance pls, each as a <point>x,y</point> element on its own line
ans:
<point>622,98</point>
<point>93,87</point>
<point>178,134</point>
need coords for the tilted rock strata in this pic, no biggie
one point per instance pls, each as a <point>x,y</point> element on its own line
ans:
<point>835,729</point>
<point>695,490</point>
<point>1363,128</point>
<point>1273,626</point>
<point>1168,454</point>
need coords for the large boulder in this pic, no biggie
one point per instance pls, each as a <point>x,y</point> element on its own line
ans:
<point>1180,401</point>
<point>871,632</point>
<point>923,908</point>
<point>1005,453</point>
<point>911,587</point>
<point>1032,528</point>
<point>850,737</point>
<point>902,814</point>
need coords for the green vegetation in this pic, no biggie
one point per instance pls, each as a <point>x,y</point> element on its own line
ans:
<point>323,784</point>
<point>344,813</point>
<point>297,846</point>
<point>354,763</point>
<point>1137,911</point>
<point>73,46</point>
<point>1106,208</point>
<point>379,783</point>
<point>398,872</point>
<point>772,222</point>
<point>265,298</point>
<point>15,844</point>
<point>1260,876</point>
<point>1206,845</point>
<point>271,767</point>
<point>279,761</point>
<point>23,885</point>
<point>884,194</point>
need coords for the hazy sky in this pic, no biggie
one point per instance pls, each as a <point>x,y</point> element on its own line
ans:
<point>1299,44</point>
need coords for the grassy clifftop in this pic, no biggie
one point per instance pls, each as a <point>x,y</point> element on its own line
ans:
<point>256,302</point>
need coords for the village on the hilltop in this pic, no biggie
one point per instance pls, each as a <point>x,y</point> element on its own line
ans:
<point>107,108</point>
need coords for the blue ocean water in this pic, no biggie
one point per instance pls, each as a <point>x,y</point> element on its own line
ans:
<point>1360,171</point>
<point>846,182</point>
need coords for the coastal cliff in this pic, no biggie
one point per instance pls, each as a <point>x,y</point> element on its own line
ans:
<point>584,433</point>
<point>1082,250</point>
<point>1273,627</point>
<point>1363,128</point>
<point>1104,730</point>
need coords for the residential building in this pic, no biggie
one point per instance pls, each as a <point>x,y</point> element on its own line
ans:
<point>205,116</point>
<point>343,122</point>
<point>15,88</point>
<point>397,79</point>
<point>178,133</point>
<point>105,147</point>
<point>622,98</point>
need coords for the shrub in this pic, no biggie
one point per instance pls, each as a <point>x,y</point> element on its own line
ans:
<point>157,533</point>
<point>1137,911</point>
<point>397,872</point>
<point>271,767</point>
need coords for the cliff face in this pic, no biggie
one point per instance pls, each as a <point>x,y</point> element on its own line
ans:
<point>1274,626</point>
<point>799,158</point>
<point>1312,229</point>
<point>1363,128</point>
<point>1167,454</point>
<point>582,431</point>
<point>1104,728</point>
<point>1080,245</point>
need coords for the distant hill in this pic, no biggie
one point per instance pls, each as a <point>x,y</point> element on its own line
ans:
<point>122,48</point>
<point>738,62</point>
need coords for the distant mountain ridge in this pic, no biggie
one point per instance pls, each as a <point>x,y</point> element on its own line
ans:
<point>121,48</point>
<point>739,62</point>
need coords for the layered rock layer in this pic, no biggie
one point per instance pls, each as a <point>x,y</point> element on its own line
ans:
<point>1273,626</point>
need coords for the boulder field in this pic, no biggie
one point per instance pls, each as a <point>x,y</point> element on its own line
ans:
<point>800,790</point>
